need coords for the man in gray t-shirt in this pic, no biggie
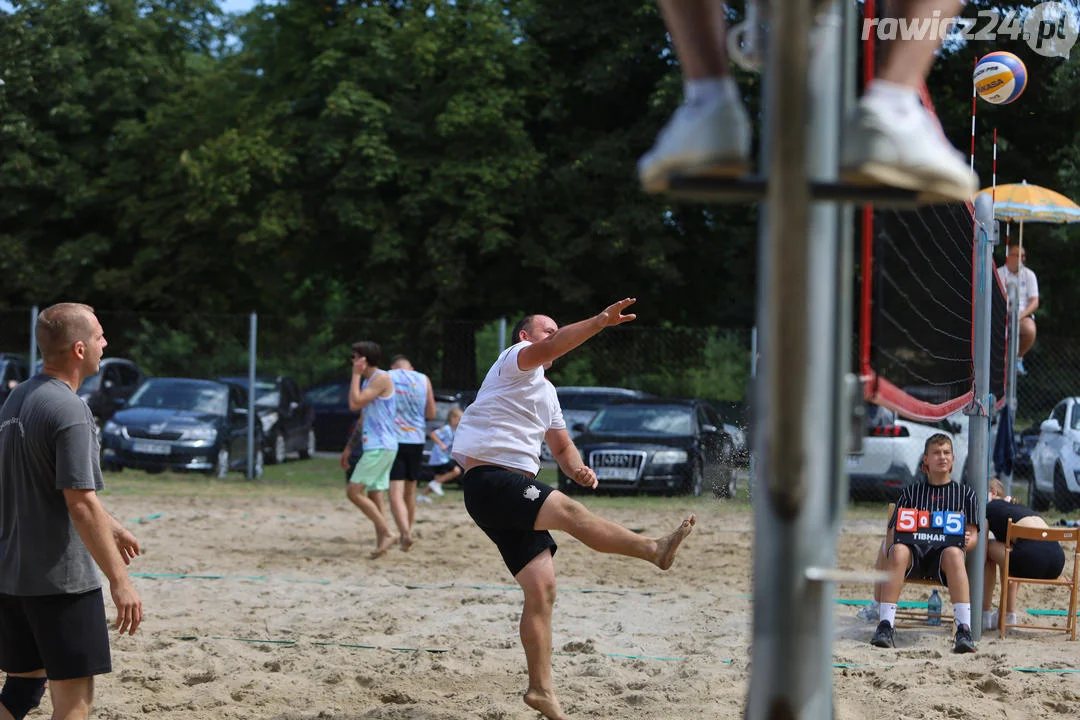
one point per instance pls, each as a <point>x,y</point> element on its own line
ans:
<point>54,532</point>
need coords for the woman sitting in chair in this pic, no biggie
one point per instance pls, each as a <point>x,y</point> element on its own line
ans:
<point>1030,559</point>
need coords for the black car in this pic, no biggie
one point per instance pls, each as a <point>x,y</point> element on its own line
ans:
<point>13,370</point>
<point>1026,441</point>
<point>333,418</point>
<point>670,446</point>
<point>182,424</point>
<point>286,416</point>
<point>108,390</point>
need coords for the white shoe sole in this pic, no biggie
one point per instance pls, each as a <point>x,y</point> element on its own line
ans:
<point>660,182</point>
<point>927,190</point>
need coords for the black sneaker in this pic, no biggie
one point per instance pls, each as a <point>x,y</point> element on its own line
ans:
<point>963,643</point>
<point>883,636</point>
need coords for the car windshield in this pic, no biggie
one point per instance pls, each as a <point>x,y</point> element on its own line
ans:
<point>591,401</point>
<point>328,395</point>
<point>643,420</point>
<point>192,396</point>
<point>267,394</point>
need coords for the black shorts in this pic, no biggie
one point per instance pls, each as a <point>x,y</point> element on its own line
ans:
<point>409,462</point>
<point>446,467</point>
<point>926,564</point>
<point>1036,560</point>
<point>67,635</point>
<point>505,505</point>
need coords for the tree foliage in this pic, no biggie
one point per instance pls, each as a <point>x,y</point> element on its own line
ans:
<point>442,160</point>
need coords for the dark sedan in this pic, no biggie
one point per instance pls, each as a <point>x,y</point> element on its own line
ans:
<point>669,446</point>
<point>181,424</point>
<point>333,418</point>
<point>286,416</point>
<point>13,370</point>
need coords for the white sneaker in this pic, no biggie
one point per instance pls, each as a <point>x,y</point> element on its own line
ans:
<point>423,499</point>
<point>913,155</point>
<point>436,488</point>
<point>699,139</point>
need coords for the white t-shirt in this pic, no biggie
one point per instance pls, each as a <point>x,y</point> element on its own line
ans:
<point>507,422</point>
<point>1028,289</point>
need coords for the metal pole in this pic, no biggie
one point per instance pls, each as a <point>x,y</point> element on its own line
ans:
<point>33,338</point>
<point>502,335</point>
<point>983,401</point>
<point>1014,349</point>
<point>801,378</point>
<point>753,383</point>
<point>254,327</point>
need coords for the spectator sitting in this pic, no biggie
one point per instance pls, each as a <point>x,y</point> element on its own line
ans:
<point>443,467</point>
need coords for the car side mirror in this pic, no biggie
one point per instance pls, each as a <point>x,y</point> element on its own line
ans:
<point>1050,426</point>
<point>579,427</point>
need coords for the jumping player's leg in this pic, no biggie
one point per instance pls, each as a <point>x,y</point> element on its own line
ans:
<point>560,512</point>
<point>709,134</point>
<point>537,580</point>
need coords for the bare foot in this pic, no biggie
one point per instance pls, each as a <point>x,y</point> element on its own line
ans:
<point>385,543</point>
<point>667,547</point>
<point>545,703</point>
<point>406,542</point>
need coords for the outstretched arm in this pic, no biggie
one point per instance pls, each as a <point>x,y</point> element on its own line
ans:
<point>567,338</point>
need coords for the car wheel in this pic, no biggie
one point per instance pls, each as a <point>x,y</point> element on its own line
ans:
<point>1036,499</point>
<point>221,465</point>
<point>279,451</point>
<point>309,449</point>
<point>1063,497</point>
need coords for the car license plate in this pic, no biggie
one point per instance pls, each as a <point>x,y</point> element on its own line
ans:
<point>616,473</point>
<point>151,448</point>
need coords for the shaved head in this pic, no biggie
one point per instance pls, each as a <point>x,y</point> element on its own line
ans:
<point>62,325</point>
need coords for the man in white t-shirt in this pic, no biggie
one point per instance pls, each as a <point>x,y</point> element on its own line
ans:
<point>498,443</point>
<point>1014,271</point>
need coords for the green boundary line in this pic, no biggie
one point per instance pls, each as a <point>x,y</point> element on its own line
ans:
<point>1045,670</point>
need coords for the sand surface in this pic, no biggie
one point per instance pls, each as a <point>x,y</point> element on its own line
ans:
<point>291,620</point>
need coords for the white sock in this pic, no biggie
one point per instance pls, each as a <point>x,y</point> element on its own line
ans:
<point>1010,618</point>
<point>988,620</point>
<point>707,91</point>
<point>893,98</point>
<point>888,613</point>
<point>962,613</point>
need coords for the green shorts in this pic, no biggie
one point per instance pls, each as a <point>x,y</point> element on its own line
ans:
<point>373,470</point>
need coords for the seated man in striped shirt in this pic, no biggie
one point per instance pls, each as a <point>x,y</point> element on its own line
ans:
<point>934,524</point>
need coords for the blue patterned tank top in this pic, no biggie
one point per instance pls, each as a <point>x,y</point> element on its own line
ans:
<point>410,389</point>
<point>380,432</point>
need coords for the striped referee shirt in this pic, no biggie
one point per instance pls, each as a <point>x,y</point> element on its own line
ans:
<point>952,497</point>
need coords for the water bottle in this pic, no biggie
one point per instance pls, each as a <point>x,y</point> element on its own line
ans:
<point>933,609</point>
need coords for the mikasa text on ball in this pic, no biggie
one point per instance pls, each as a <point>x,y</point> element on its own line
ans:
<point>1000,77</point>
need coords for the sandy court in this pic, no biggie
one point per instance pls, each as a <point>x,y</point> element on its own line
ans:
<point>267,606</point>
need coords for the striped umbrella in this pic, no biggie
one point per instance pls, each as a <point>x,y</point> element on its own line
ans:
<point>1020,202</point>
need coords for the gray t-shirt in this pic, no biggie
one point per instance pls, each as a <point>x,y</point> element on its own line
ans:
<point>48,443</point>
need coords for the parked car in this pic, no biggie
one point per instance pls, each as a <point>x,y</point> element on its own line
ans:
<point>657,445</point>
<point>580,404</point>
<point>286,416</point>
<point>182,424</point>
<point>1026,441</point>
<point>333,418</point>
<point>892,450</point>
<point>108,390</point>
<point>13,370</point>
<point>1056,459</point>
